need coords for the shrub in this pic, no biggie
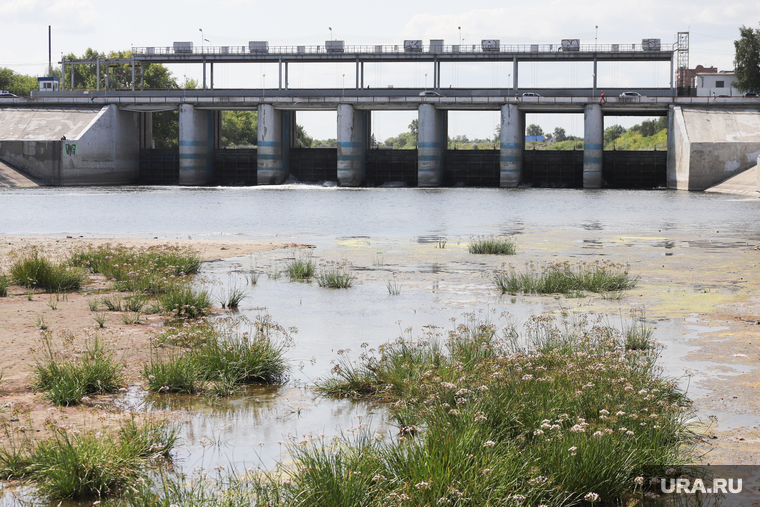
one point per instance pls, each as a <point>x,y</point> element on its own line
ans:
<point>31,271</point>
<point>492,245</point>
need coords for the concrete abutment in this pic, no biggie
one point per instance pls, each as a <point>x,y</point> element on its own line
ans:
<point>197,141</point>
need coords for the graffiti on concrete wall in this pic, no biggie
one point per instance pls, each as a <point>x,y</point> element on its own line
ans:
<point>70,149</point>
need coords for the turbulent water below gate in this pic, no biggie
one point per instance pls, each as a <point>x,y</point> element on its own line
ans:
<point>387,235</point>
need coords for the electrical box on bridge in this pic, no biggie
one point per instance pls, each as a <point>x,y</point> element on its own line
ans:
<point>489,44</point>
<point>334,46</point>
<point>650,44</point>
<point>412,46</point>
<point>183,47</point>
<point>571,44</point>
<point>258,46</point>
<point>436,46</point>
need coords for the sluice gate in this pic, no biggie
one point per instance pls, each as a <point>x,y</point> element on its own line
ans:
<point>462,168</point>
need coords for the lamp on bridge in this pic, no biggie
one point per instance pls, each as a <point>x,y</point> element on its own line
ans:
<point>425,80</point>
<point>330,28</point>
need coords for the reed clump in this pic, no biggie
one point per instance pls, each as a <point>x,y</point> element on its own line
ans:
<point>565,278</point>
<point>335,275</point>
<point>219,356</point>
<point>492,245</point>
<point>301,267</point>
<point>69,374</point>
<point>32,270</point>
<point>87,464</point>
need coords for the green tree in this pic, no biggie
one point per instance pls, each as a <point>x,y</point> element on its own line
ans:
<point>534,130</point>
<point>240,128</point>
<point>747,60</point>
<point>302,139</point>
<point>560,134</point>
<point>17,84</point>
<point>613,133</point>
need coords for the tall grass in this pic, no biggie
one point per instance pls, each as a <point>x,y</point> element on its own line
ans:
<point>78,464</point>
<point>66,378</point>
<point>548,415</point>
<point>565,278</point>
<point>497,245</point>
<point>221,356</point>
<point>152,270</point>
<point>32,270</point>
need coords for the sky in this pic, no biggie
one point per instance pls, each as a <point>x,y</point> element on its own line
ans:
<point>106,25</point>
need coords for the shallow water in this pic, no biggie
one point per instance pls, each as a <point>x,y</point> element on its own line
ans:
<point>388,235</point>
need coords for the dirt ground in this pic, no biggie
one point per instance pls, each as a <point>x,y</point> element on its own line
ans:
<point>22,313</point>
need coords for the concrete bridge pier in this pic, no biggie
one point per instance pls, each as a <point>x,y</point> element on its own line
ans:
<point>512,143</point>
<point>432,134</point>
<point>593,146</point>
<point>196,145</point>
<point>276,136</point>
<point>146,130</point>
<point>353,133</point>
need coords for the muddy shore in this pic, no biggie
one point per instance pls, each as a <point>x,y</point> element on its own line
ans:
<point>705,287</point>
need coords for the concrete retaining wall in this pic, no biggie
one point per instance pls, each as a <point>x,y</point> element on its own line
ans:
<point>709,146</point>
<point>104,152</point>
<point>39,159</point>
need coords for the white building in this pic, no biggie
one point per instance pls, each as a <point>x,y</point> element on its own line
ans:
<point>721,84</point>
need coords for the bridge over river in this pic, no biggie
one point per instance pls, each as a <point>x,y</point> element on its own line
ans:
<point>104,136</point>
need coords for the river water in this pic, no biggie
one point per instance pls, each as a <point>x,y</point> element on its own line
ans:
<point>388,235</point>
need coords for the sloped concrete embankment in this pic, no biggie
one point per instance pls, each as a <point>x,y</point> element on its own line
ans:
<point>708,146</point>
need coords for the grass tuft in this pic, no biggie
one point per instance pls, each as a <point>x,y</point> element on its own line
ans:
<point>335,275</point>
<point>79,464</point>
<point>302,267</point>
<point>565,278</point>
<point>218,356</point>
<point>67,378</point>
<point>32,270</point>
<point>5,282</point>
<point>497,245</point>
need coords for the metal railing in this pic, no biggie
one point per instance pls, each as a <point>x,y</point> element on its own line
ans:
<point>465,48</point>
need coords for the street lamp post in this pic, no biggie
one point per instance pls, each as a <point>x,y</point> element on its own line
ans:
<point>460,35</point>
<point>201,30</point>
<point>344,84</point>
<point>331,34</point>
<point>425,81</point>
<point>596,33</point>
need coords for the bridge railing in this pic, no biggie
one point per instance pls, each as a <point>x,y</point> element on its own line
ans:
<point>464,48</point>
